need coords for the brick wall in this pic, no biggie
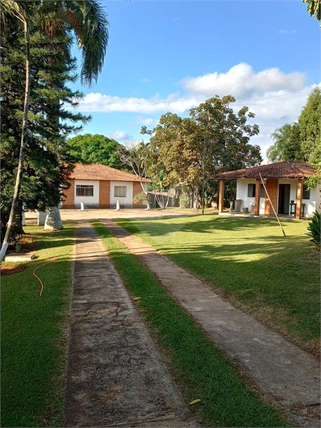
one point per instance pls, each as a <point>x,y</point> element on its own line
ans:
<point>69,199</point>
<point>137,188</point>
<point>272,187</point>
<point>104,194</point>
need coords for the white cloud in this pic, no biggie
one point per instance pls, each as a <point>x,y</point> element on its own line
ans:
<point>146,121</point>
<point>96,102</point>
<point>286,31</point>
<point>275,97</point>
<point>241,81</point>
<point>119,136</point>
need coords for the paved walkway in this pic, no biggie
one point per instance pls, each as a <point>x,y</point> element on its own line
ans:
<point>115,375</point>
<point>288,375</point>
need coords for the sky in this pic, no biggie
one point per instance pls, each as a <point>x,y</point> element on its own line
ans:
<point>169,56</point>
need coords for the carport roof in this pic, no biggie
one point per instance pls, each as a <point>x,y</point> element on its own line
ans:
<point>294,170</point>
<point>102,172</point>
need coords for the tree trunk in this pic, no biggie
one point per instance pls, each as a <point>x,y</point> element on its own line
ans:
<point>146,193</point>
<point>15,197</point>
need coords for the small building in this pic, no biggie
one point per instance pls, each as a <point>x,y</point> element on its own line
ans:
<point>100,186</point>
<point>285,187</point>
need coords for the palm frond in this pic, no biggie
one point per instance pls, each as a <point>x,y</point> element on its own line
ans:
<point>95,39</point>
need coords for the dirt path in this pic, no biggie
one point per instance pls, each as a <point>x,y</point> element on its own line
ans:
<point>285,373</point>
<point>115,375</point>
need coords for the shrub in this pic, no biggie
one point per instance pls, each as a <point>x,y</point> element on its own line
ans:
<point>141,197</point>
<point>314,229</point>
<point>184,202</point>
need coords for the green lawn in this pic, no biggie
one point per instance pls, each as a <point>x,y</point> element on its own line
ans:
<point>200,369</point>
<point>33,339</point>
<point>250,262</point>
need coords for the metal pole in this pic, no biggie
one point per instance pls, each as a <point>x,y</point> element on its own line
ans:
<point>203,185</point>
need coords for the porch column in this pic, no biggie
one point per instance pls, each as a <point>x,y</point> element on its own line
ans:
<point>299,195</point>
<point>221,196</point>
<point>257,197</point>
<point>272,186</point>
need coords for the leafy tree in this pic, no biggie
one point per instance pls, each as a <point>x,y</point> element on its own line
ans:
<point>310,127</point>
<point>45,157</point>
<point>96,148</point>
<point>287,144</point>
<point>89,24</point>
<point>214,138</point>
<point>174,151</point>
<point>137,158</point>
<point>314,8</point>
<point>300,142</point>
<point>227,135</point>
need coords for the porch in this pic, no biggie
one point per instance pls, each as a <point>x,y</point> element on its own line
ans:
<point>266,189</point>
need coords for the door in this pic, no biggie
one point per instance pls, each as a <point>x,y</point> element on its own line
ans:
<point>284,199</point>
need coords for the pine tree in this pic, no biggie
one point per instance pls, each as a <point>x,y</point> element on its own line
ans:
<point>46,159</point>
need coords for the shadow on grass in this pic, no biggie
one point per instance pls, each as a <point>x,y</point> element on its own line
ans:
<point>200,224</point>
<point>276,277</point>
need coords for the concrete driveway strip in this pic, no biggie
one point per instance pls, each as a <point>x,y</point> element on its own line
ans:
<point>285,373</point>
<point>115,375</point>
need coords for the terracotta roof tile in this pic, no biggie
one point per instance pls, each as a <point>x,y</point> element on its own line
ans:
<point>102,172</point>
<point>296,170</point>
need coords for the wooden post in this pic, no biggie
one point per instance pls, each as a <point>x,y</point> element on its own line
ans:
<point>257,197</point>
<point>221,196</point>
<point>299,195</point>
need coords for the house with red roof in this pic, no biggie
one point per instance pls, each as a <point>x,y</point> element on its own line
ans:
<point>100,186</point>
<point>279,187</point>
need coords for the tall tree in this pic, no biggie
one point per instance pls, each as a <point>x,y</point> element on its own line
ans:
<point>310,127</point>
<point>45,155</point>
<point>214,138</point>
<point>89,24</point>
<point>300,142</point>
<point>137,158</point>
<point>287,144</point>
<point>96,148</point>
<point>227,134</point>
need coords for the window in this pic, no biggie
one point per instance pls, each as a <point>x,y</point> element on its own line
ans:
<point>84,190</point>
<point>120,191</point>
<point>251,190</point>
<point>306,192</point>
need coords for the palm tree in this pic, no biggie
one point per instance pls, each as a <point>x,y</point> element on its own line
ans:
<point>87,20</point>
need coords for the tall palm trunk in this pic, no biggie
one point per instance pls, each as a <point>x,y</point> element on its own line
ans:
<point>15,198</point>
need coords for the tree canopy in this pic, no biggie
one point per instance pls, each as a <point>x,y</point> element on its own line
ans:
<point>213,136</point>
<point>88,148</point>
<point>301,141</point>
<point>35,123</point>
<point>314,8</point>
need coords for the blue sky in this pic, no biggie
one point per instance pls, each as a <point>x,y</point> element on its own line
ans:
<point>172,55</point>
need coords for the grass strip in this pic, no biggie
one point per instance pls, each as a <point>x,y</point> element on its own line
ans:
<point>33,338</point>
<point>275,278</point>
<point>200,369</point>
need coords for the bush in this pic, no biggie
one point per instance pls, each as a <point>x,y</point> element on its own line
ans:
<point>141,197</point>
<point>184,202</point>
<point>314,229</point>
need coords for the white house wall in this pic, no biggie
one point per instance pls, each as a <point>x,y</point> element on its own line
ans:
<point>241,193</point>
<point>123,201</point>
<point>311,204</point>
<point>247,202</point>
<point>89,201</point>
